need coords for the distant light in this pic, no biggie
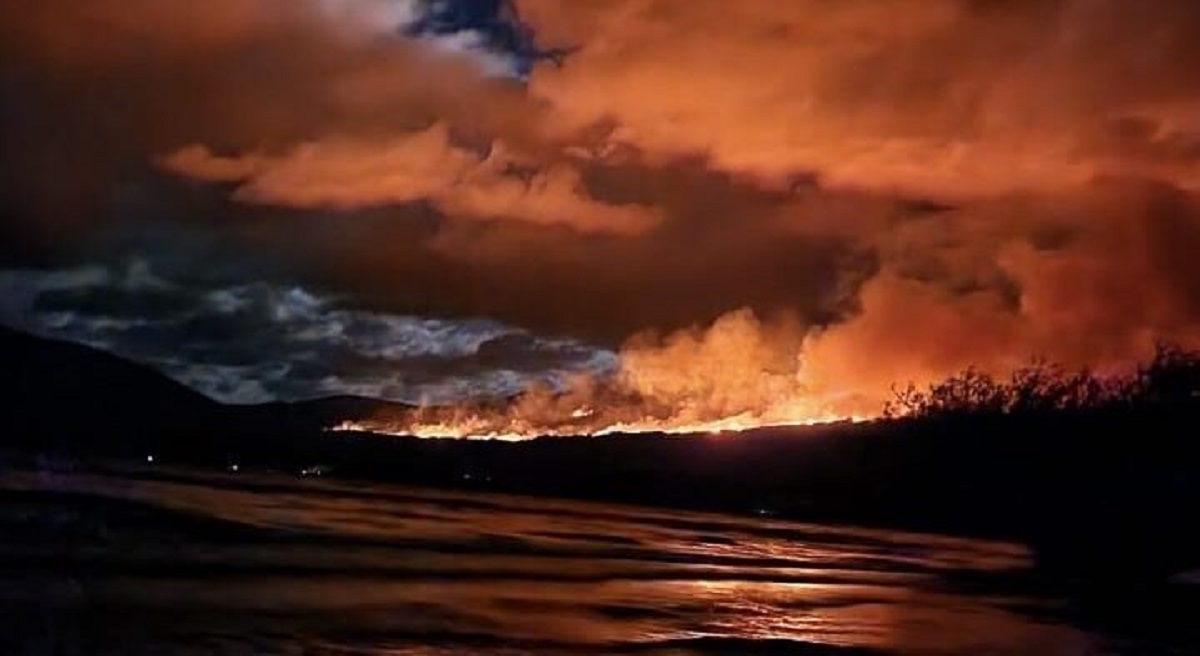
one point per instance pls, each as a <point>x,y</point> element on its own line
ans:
<point>149,458</point>
<point>466,477</point>
<point>233,467</point>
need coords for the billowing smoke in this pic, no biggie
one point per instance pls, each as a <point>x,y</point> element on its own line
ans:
<point>738,373</point>
<point>772,211</point>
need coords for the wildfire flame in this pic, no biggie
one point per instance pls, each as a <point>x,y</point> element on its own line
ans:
<point>739,374</point>
<point>484,428</point>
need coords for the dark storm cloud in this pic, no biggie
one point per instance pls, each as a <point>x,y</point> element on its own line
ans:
<point>262,341</point>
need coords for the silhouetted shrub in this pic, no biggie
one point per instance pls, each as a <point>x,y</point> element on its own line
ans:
<point>1171,377</point>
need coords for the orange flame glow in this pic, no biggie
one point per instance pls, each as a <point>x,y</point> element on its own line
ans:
<point>739,374</point>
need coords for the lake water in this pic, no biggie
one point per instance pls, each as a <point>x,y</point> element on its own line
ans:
<point>163,561</point>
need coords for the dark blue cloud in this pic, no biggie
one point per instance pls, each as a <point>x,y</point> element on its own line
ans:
<point>263,341</point>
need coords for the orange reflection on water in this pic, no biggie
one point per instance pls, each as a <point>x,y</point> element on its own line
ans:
<point>383,569</point>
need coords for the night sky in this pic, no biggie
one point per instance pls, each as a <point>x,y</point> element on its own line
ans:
<point>706,202</point>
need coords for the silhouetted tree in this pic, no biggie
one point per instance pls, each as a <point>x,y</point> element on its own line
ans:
<point>1171,377</point>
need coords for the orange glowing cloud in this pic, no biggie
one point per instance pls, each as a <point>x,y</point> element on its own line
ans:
<point>946,97</point>
<point>421,166</point>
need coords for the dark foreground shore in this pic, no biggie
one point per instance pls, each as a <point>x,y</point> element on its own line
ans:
<point>1089,495</point>
<point>175,560</point>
